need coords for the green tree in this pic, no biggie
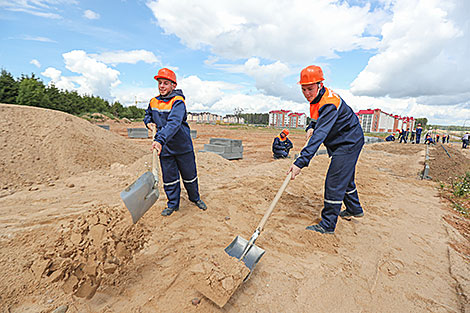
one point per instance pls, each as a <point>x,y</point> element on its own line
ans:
<point>8,88</point>
<point>30,91</point>
<point>423,121</point>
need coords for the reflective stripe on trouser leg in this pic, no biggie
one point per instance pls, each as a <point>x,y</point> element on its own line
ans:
<point>171,180</point>
<point>351,198</point>
<point>187,167</point>
<point>338,178</point>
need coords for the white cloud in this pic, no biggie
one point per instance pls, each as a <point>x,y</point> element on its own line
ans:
<point>42,8</point>
<point>37,38</point>
<point>89,14</point>
<point>424,53</point>
<point>94,78</point>
<point>296,31</point>
<point>35,63</point>
<point>120,56</point>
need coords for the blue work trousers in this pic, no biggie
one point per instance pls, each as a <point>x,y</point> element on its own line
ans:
<point>340,187</point>
<point>418,138</point>
<point>172,167</point>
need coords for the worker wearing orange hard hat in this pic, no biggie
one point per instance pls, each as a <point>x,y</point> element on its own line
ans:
<point>282,145</point>
<point>335,125</point>
<point>173,142</point>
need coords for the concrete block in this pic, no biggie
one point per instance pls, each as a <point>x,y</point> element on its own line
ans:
<point>217,148</point>
<point>103,126</point>
<point>137,133</point>
<point>221,141</point>
<point>368,140</point>
<point>232,156</point>
<point>193,134</point>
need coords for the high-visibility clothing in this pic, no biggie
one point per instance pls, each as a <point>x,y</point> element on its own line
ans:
<point>335,125</point>
<point>169,114</point>
<point>281,146</point>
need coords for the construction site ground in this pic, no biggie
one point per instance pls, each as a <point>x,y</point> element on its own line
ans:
<point>66,238</point>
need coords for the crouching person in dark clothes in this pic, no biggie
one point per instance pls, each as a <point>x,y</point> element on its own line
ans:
<point>282,145</point>
<point>338,128</point>
<point>173,142</point>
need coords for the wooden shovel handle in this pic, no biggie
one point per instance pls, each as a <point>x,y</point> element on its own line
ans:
<point>277,197</point>
<point>154,151</point>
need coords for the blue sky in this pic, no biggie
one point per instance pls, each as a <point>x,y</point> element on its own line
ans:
<point>407,57</point>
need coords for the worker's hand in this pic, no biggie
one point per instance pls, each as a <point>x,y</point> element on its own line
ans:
<point>158,146</point>
<point>295,170</point>
<point>309,133</point>
<point>151,126</point>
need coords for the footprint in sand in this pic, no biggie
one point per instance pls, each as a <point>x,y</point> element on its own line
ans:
<point>392,267</point>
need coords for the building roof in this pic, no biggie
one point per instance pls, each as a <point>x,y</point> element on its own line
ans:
<point>369,111</point>
<point>296,114</point>
<point>280,111</point>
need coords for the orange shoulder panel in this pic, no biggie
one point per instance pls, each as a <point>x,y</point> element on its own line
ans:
<point>329,97</point>
<point>161,105</point>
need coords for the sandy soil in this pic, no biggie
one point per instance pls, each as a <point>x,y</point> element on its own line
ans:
<point>67,239</point>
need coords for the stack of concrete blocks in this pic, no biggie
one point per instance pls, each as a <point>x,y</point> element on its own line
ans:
<point>137,133</point>
<point>368,140</point>
<point>230,149</point>
<point>103,126</point>
<point>193,134</point>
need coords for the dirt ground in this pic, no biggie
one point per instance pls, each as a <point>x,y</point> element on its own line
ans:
<point>67,239</point>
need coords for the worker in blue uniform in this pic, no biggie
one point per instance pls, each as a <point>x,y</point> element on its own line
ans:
<point>335,125</point>
<point>390,137</point>
<point>419,130</point>
<point>173,142</point>
<point>282,145</point>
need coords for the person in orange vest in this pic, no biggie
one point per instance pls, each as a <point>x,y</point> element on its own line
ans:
<point>282,145</point>
<point>173,142</point>
<point>390,137</point>
<point>335,125</point>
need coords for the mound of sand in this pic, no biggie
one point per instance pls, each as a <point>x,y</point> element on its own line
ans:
<point>89,249</point>
<point>41,145</point>
<point>444,168</point>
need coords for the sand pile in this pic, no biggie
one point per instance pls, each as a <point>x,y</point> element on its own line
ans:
<point>445,168</point>
<point>89,249</point>
<point>40,145</point>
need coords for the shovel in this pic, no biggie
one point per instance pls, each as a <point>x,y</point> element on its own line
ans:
<point>143,193</point>
<point>246,250</point>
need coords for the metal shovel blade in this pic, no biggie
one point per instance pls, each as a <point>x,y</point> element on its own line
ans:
<point>140,195</point>
<point>237,247</point>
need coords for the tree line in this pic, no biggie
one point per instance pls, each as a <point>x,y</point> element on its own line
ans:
<point>30,90</point>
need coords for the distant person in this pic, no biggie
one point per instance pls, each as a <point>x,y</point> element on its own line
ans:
<point>419,130</point>
<point>437,138</point>
<point>448,136</point>
<point>444,138</point>
<point>282,145</point>
<point>465,139</point>
<point>428,139</point>
<point>399,134</point>
<point>404,135</point>
<point>338,128</point>
<point>412,136</point>
<point>173,142</point>
<point>390,137</point>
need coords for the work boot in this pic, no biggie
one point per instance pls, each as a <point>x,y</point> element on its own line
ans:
<point>169,211</point>
<point>347,214</point>
<point>200,204</point>
<point>319,229</point>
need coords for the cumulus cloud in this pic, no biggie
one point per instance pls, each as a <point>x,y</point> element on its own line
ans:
<point>93,78</point>
<point>132,57</point>
<point>423,53</point>
<point>296,31</point>
<point>35,63</point>
<point>89,14</point>
<point>42,8</point>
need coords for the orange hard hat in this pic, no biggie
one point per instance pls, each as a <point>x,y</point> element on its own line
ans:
<point>393,134</point>
<point>310,75</point>
<point>285,131</point>
<point>166,73</point>
<point>419,124</point>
